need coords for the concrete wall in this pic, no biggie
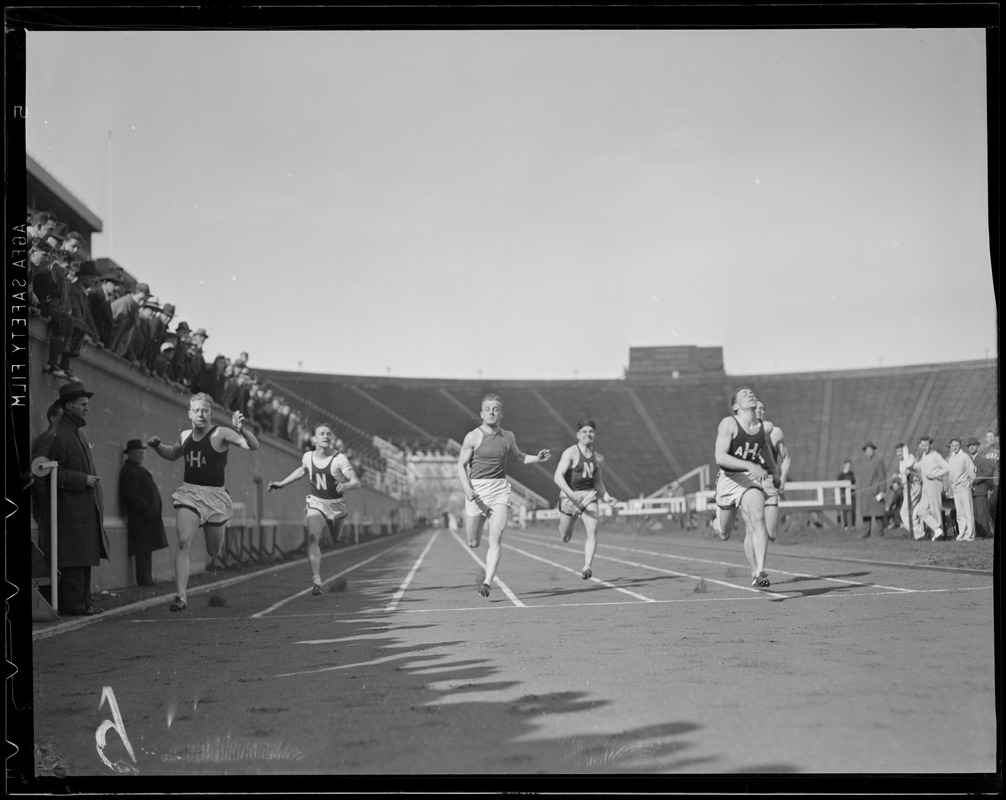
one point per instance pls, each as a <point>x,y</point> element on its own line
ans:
<point>128,405</point>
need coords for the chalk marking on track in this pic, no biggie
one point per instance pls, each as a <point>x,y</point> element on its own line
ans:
<point>669,571</point>
<point>644,598</point>
<point>412,573</point>
<point>354,639</point>
<point>373,662</point>
<point>728,564</point>
<point>338,575</point>
<point>481,563</point>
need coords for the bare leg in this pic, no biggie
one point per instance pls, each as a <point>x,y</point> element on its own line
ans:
<point>315,529</point>
<point>216,535</point>
<point>186,525</point>
<point>497,522</point>
<point>473,529</point>
<point>566,524</point>
<point>771,521</point>
<point>724,522</point>
<point>756,535</point>
<point>590,522</point>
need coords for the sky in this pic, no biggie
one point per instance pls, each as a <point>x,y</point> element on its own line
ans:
<point>530,204</point>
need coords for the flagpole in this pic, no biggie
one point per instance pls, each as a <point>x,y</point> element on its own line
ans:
<point>111,238</point>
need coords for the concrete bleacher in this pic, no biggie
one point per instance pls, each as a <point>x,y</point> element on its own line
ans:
<point>652,431</point>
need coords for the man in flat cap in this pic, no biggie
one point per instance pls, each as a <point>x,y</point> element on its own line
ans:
<point>141,501</point>
<point>870,492</point>
<point>80,524</point>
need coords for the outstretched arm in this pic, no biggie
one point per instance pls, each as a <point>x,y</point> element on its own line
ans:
<point>297,474</point>
<point>540,457</point>
<point>169,452</point>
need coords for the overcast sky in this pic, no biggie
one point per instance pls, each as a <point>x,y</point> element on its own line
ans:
<point>531,204</point>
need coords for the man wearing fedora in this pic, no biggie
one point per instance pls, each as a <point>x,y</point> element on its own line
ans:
<point>870,492</point>
<point>141,501</point>
<point>81,535</point>
<point>125,311</point>
<point>99,300</point>
<point>157,334</point>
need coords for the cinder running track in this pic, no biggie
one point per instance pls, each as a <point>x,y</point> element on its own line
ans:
<point>667,661</point>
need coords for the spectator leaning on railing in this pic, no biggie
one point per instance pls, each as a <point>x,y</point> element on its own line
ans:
<point>125,311</point>
<point>99,301</point>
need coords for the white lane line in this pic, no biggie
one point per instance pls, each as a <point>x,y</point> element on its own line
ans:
<point>497,607</point>
<point>338,575</point>
<point>568,569</point>
<point>481,563</point>
<point>738,566</point>
<point>653,568</point>
<point>371,663</point>
<point>412,573</point>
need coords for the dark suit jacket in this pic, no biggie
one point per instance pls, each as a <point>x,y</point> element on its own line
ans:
<point>80,525</point>
<point>142,502</point>
<point>101,313</point>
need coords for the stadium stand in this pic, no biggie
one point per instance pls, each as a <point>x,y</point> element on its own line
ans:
<point>654,430</point>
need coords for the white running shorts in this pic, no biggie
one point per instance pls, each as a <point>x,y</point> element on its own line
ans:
<point>491,492</point>
<point>211,503</point>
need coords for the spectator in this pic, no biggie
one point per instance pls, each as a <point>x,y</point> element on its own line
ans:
<point>125,311</point>
<point>179,367</point>
<point>84,330</point>
<point>871,496</point>
<point>847,517</point>
<point>923,512</point>
<point>892,503</point>
<point>79,504</point>
<point>142,503</point>
<point>962,477</point>
<point>162,362</point>
<point>990,452</point>
<point>986,460</point>
<point>196,361</point>
<point>158,333</point>
<point>51,286</point>
<point>72,243</point>
<point>149,309</point>
<point>213,379</point>
<point>41,222</point>
<point>932,467</point>
<point>99,301</point>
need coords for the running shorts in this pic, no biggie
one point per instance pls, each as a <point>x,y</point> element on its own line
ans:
<point>771,492</point>
<point>490,492</point>
<point>211,503</point>
<point>731,487</point>
<point>569,508</point>
<point>334,509</point>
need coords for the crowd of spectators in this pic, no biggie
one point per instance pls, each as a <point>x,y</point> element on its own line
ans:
<point>108,311</point>
<point>959,491</point>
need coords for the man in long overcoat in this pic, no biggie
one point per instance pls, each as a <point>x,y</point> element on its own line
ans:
<point>871,486</point>
<point>141,500</point>
<point>80,527</point>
